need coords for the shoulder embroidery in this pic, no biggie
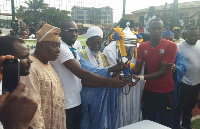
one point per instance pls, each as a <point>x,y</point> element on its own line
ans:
<point>84,53</point>
<point>104,60</point>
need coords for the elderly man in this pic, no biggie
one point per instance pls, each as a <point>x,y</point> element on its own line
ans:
<point>43,82</point>
<point>94,100</point>
<point>69,70</point>
<point>158,55</point>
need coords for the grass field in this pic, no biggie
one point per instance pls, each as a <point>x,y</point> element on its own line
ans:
<point>32,42</point>
<point>82,39</point>
<point>196,124</point>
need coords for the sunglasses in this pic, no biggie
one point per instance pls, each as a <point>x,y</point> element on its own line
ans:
<point>71,30</point>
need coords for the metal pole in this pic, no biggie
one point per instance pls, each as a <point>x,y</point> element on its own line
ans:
<point>174,15</point>
<point>111,31</point>
<point>121,20</point>
<point>13,16</point>
<point>124,7</point>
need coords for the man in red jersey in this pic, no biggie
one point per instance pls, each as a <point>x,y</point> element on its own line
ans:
<point>158,55</point>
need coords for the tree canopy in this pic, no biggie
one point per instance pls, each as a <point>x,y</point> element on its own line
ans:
<point>39,12</point>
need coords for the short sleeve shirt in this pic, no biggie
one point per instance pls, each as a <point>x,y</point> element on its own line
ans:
<point>71,83</point>
<point>165,52</point>
<point>191,54</point>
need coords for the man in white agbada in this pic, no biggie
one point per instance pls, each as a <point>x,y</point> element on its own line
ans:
<point>128,106</point>
<point>94,100</point>
<point>94,37</point>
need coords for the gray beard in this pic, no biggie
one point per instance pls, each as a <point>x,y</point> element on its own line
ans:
<point>95,53</point>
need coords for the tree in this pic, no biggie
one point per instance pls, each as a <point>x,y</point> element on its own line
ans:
<point>38,11</point>
<point>20,11</point>
<point>34,9</point>
<point>54,16</point>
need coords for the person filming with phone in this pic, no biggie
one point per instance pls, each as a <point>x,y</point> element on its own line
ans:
<point>25,107</point>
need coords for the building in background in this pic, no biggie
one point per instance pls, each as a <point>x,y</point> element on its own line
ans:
<point>91,15</point>
<point>188,13</point>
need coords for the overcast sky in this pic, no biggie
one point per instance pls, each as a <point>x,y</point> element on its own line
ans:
<point>116,5</point>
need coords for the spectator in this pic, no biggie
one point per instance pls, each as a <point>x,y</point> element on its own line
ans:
<point>190,84</point>
<point>147,18</point>
<point>177,33</point>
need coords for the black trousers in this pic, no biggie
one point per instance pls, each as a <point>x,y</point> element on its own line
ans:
<point>73,117</point>
<point>188,99</point>
<point>157,107</point>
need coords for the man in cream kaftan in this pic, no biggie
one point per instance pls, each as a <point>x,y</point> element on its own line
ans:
<point>43,82</point>
<point>45,88</point>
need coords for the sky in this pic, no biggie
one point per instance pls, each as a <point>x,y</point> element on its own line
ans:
<point>116,5</point>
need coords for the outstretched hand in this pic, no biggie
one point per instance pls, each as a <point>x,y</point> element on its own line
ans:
<point>116,82</point>
<point>136,79</point>
<point>120,66</point>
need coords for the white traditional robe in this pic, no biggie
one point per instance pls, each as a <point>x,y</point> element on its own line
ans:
<point>129,106</point>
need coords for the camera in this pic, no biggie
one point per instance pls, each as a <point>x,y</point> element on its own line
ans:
<point>127,79</point>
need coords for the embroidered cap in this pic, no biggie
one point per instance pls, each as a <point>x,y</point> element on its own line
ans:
<point>48,33</point>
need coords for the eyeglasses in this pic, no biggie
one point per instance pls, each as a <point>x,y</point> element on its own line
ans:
<point>71,30</point>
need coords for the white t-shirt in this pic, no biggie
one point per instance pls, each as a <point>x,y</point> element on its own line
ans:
<point>71,83</point>
<point>191,53</point>
<point>77,45</point>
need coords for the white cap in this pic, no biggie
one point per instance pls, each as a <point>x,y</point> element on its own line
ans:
<point>94,31</point>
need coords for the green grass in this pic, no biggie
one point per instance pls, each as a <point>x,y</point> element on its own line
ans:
<point>82,39</point>
<point>196,124</point>
<point>32,43</point>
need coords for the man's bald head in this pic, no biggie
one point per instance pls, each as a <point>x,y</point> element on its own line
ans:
<point>69,32</point>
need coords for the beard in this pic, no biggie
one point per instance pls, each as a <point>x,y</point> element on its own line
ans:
<point>95,53</point>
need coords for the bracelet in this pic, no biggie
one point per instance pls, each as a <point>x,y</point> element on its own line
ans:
<point>141,77</point>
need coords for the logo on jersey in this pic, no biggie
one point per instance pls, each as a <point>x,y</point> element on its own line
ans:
<point>145,52</point>
<point>161,51</point>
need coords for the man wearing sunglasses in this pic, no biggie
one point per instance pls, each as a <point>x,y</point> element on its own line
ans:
<point>72,75</point>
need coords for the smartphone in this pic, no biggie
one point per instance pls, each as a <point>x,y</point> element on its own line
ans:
<point>11,75</point>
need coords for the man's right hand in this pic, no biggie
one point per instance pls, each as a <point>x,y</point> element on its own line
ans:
<point>17,110</point>
<point>120,66</point>
<point>115,82</point>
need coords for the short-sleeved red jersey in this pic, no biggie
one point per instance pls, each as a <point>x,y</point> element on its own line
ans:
<point>165,51</point>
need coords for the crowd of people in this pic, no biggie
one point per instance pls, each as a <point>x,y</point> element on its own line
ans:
<point>62,87</point>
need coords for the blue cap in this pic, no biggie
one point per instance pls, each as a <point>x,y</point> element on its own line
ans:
<point>167,32</point>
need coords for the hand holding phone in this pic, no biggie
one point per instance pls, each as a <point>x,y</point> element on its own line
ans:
<point>2,58</point>
<point>11,75</point>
